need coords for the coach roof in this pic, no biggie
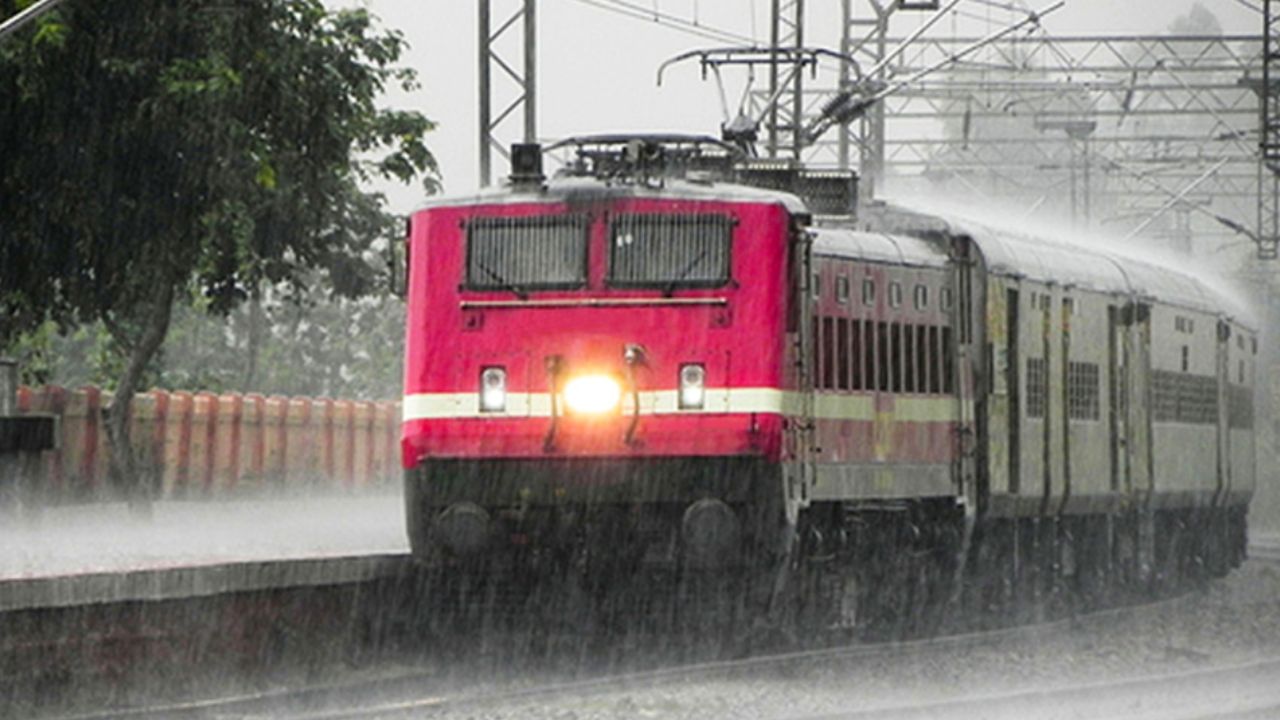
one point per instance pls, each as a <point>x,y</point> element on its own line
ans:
<point>1080,265</point>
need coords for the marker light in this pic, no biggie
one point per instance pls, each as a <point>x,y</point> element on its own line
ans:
<point>693,381</point>
<point>592,394</point>
<point>493,389</point>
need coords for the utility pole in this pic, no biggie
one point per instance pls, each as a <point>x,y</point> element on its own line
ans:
<point>525,80</point>
<point>872,48</point>
<point>786,32</point>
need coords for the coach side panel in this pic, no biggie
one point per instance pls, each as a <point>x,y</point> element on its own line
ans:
<point>884,405</point>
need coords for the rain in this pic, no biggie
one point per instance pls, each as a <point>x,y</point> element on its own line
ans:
<point>604,359</point>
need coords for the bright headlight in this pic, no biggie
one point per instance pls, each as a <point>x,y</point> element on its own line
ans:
<point>493,389</point>
<point>592,394</point>
<point>693,382</point>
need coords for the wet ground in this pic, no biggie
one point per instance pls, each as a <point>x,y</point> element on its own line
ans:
<point>1227,622</point>
<point>105,537</point>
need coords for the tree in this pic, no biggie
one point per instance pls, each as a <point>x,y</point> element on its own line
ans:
<point>1199,20</point>
<point>157,148</point>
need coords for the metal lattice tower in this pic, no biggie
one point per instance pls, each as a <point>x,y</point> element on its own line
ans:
<point>785,116</point>
<point>1269,142</point>
<point>865,33</point>
<point>1138,126</point>
<point>524,80</point>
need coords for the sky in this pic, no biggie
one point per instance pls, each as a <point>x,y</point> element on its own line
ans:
<point>597,68</point>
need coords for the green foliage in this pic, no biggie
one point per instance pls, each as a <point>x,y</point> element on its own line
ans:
<point>204,144</point>
<point>324,347</point>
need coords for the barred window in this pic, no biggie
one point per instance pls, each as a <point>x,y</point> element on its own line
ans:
<point>1240,407</point>
<point>522,253</point>
<point>1082,391</point>
<point>1037,387</point>
<point>671,250</point>
<point>1198,400</point>
<point>1164,395</point>
<point>1183,398</point>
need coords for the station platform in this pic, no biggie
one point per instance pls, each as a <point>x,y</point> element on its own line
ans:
<point>83,554</point>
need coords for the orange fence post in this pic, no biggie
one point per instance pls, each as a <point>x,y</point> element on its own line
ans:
<point>344,457</point>
<point>362,446</point>
<point>253,439</point>
<point>159,433</point>
<point>301,444</point>
<point>276,432</point>
<point>177,446</point>
<point>147,415</point>
<point>200,469</point>
<point>226,442</point>
<point>324,436</point>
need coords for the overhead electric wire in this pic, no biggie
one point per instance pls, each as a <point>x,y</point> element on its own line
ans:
<point>19,20</point>
<point>637,12</point>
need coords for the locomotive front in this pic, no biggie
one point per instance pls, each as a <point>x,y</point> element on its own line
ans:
<point>597,371</point>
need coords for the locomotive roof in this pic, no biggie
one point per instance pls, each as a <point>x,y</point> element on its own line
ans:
<point>577,189</point>
<point>1016,254</point>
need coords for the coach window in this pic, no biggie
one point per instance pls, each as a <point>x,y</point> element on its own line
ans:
<point>842,353</point>
<point>868,292</point>
<point>935,359</point>
<point>855,354</point>
<point>908,358</point>
<point>922,359</point>
<point>526,253</point>
<point>895,357</point>
<point>842,289</point>
<point>946,370</point>
<point>882,356</point>
<point>1186,358</point>
<point>869,355</point>
<point>828,352</point>
<point>947,298</point>
<point>922,297</point>
<point>817,286</point>
<point>895,294</point>
<point>670,251</point>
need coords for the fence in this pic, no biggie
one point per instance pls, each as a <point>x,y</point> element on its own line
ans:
<point>203,445</point>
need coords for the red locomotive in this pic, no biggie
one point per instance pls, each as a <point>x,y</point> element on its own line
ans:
<point>671,355</point>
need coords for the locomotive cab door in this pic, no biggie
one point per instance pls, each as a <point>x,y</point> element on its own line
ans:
<point>799,468</point>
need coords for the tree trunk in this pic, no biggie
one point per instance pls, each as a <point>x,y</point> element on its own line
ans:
<point>124,471</point>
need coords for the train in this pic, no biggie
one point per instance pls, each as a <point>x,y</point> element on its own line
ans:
<point>669,355</point>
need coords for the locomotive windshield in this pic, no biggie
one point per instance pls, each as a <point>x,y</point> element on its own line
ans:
<point>669,251</point>
<point>522,253</point>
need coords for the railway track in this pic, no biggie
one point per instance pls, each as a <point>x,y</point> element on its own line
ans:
<point>414,693</point>
<point>1193,695</point>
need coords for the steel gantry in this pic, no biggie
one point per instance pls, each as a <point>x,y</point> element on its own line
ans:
<point>1104,130</point>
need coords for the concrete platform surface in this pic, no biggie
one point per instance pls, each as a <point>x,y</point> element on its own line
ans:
<point>105,538</point>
